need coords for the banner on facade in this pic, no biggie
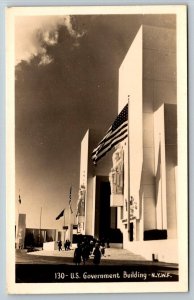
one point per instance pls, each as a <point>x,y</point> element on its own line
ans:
<point>81,201</point>
<point>116,178</point>
<point>134,208</point>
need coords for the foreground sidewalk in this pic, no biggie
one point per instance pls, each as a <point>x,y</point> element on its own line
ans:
<point>112,256</point>
<point>46,266</point>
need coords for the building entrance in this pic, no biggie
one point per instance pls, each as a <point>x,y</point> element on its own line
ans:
<point>105,216</point>
<point>131,232</point>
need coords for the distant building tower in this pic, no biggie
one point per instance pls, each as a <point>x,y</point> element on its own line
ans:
<point>21,231</point>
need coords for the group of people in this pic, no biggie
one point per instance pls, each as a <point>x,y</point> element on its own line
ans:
<point>85,249</point>
<point>88,248</point>
<point>67,245</point>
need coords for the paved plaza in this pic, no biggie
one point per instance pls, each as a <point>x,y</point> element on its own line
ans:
<point>45,266</point>
<point>113,256</point>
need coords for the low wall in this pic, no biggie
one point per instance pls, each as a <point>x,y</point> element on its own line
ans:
<point>163,250</point>
<point>116,245</point>
<point>49,246</point>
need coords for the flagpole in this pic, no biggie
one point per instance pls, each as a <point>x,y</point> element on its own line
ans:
<point>69,222</point>
<point>64,218</point>
<point>40,224</point>
<point>65,228</point>
<point>17,223</point>
<point>19,202</point>
<point>161,180</point>
<point>70,212</point>
<point>17,220</point>
<point>129,191</point>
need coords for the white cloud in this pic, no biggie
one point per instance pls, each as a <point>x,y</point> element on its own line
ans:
<point>67,22</point>
<point>45,60</point>
<point>50,37</point>
<point>26,42</point>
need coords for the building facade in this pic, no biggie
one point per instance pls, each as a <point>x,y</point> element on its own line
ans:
<point>138,178</point>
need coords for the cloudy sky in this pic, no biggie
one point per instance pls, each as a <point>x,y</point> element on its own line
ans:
<point>66,82</point>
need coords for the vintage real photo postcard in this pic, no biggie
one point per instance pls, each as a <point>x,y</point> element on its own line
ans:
<point>96,132</point>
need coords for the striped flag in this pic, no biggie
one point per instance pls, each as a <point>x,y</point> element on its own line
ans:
<point>60,215</point>
<point>115,134</point>
<point>70,200</point>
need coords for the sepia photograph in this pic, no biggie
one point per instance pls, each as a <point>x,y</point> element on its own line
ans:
<point>97,149</point>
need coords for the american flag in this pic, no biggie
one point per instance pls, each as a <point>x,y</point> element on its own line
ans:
<point>60,215</point>
<point>70,200</point>
<point>117,132</point>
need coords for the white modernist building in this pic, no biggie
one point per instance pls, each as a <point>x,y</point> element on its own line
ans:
<point>136,208</point>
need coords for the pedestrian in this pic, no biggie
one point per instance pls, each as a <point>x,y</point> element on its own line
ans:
<point>68,245</point>
<point>102,242</point>
<point>65,245</point>
<point>60,245</point>
<point>84,252</point>
<point>97,255</point>
<point>77,255</point>
<point>103,250</point>
<point>91,246</point>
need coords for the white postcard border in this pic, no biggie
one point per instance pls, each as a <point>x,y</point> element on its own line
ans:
<point>50,288</point>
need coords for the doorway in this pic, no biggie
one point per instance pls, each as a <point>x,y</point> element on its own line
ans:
<point>131,229</point>
<point>105,216</point>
